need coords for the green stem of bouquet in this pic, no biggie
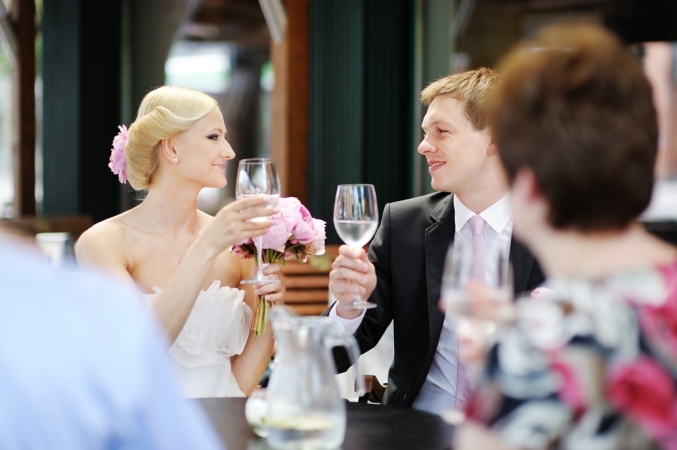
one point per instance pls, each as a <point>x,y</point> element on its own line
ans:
<point>262,305</point>
<point>261,316</point>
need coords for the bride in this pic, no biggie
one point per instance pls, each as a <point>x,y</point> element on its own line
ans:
<point>178,255</point>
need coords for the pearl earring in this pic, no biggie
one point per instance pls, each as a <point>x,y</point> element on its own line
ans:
<point>175,160</point>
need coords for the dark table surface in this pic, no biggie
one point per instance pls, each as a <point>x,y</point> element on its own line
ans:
<point>372,427</point>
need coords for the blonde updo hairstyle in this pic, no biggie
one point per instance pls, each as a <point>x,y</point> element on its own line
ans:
<point>164,113</point>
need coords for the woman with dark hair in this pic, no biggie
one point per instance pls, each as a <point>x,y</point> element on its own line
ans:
<point>592,365</point>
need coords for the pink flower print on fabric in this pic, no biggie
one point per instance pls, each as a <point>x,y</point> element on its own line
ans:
<point>645,391</point>
<point>570,392</point>
<point>660,322</point>
<point>118,164</point>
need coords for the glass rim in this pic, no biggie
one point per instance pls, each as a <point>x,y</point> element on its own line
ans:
<point>354,185</point>
<point>256,160</point>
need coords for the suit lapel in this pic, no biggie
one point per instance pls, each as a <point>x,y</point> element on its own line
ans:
<point>438,237</point>
<point>522,262</point>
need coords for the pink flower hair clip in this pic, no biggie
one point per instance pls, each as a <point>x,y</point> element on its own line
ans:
<point>118,164</point>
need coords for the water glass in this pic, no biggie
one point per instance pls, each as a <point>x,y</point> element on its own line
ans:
<point>255,411</point>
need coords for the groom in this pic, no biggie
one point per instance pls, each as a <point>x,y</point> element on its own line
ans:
<point>403,271</point>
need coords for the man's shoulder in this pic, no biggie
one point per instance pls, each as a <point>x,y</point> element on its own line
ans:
<point>425,204</point>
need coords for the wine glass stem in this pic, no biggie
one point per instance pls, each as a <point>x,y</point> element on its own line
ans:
<point>258,241</point>
<point>357,298</point>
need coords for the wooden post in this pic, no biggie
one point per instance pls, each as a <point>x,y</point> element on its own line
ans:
<point>23,15</point>
<point>289,125</point>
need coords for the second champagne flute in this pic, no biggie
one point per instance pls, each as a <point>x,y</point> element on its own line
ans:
<point>478,304</point>
<point>257,177</point>
<point>485,304</point>
<point>356,220</point>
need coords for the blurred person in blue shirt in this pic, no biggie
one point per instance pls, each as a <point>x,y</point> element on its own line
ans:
<point>82,366</point>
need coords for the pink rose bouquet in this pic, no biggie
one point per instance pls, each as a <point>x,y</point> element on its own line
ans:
<point>294,234</point>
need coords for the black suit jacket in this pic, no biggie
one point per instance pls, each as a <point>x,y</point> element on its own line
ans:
<point>408,253</point>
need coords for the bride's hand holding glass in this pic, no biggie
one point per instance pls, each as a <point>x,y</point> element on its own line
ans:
<point>240,220</point>
<point>233,223</point>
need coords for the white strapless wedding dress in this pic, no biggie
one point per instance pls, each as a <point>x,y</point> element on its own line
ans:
<point>217,328</point>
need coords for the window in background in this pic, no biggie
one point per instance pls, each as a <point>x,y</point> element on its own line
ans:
<point>204,66</point>
<point>659,60</point>
<point>660,66</point>
<point>199,65</point>
<point>267,82</point>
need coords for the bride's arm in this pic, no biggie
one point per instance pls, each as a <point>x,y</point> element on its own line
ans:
<point>172,307</point>
<point>249,366</point>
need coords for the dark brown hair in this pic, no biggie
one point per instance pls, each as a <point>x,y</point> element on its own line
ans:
<point>575,107</point>
<point>472,88</point>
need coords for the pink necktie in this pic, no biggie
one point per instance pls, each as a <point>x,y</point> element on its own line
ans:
<point>477,229</point>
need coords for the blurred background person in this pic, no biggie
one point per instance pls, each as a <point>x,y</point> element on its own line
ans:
<point>83,367</point>
<point>594,365</point>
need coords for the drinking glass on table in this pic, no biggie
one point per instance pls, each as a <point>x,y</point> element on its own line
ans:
<point>356,220</point>
<point>257,177</point>
<point>255,411</point>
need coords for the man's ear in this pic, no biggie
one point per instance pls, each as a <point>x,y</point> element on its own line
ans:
<point>492,148</point>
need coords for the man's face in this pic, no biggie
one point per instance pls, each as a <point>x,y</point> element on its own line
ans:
<point>455,151</point>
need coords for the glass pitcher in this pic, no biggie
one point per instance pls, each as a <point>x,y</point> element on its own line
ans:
<point>305,410</point>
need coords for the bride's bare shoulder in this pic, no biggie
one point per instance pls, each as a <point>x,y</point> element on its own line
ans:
<point>107,234</point>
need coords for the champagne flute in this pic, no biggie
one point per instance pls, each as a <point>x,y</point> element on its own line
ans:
<point>257,177</point>
<point>476,306</point>
<point>486,303</point>
<point>356,220</point>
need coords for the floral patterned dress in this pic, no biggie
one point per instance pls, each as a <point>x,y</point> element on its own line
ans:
<point>592,367</point>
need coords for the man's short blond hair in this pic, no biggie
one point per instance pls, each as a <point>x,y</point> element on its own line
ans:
<point>472,88</point>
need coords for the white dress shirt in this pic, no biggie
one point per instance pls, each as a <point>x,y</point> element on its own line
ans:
<point>444,387</point>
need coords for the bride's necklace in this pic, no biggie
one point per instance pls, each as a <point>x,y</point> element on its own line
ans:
<point>165,237</point>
